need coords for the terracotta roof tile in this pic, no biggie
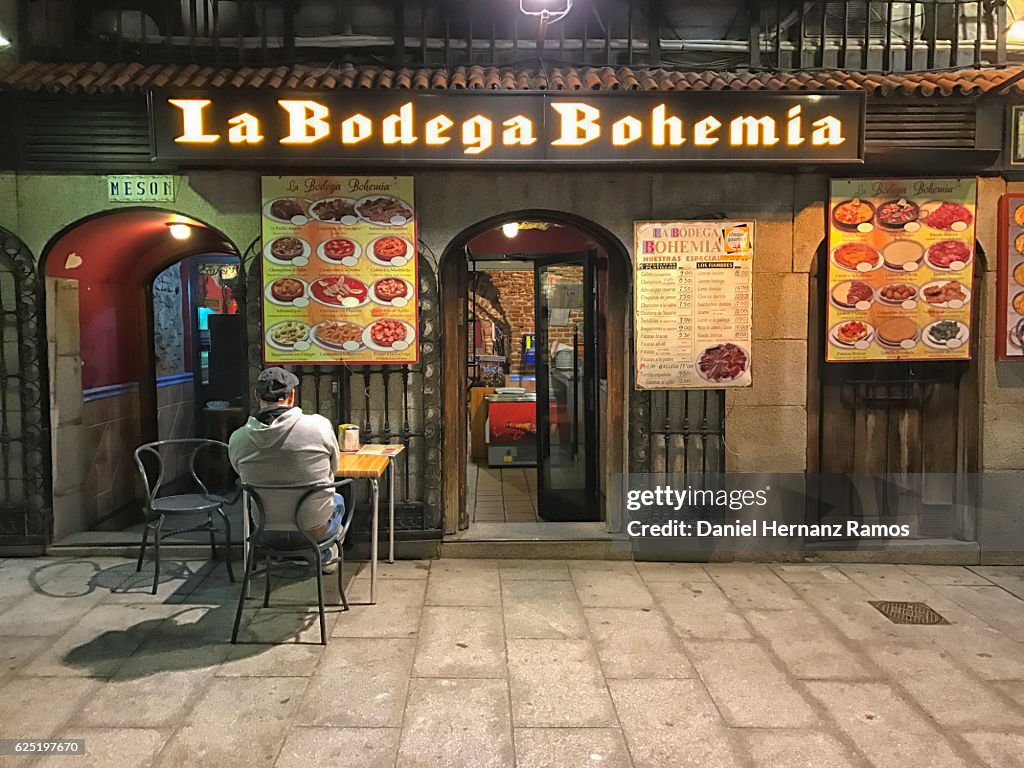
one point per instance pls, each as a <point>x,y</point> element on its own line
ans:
<point>98,77</point>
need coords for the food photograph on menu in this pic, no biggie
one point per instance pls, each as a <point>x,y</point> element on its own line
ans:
<point>339,270</point>
<point>900,269</point>
<point>1010,279</point>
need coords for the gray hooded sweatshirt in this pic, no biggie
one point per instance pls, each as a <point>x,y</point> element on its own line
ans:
<point>293,450</point>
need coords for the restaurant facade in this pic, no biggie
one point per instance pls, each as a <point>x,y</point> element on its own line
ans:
<point>106,158</point>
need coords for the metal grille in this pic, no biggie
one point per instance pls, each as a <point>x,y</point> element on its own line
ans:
<point>677,432</point>
<point>390,403</point>
<point>902,612</point>
<point>24,461</point>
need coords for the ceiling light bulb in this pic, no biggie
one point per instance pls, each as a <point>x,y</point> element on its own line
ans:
<point>181,231</point>
<point>511,229</point>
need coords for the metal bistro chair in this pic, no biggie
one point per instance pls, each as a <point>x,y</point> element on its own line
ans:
<point>158,507</point>
<point>310,551</point>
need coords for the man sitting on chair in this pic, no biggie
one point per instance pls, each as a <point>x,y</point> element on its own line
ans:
<point>280,446</point>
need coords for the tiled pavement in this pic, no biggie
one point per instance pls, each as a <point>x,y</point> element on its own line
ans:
<point>531,664</point>
<point>504,495</point>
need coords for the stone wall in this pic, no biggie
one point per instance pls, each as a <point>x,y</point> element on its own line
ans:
<point>168,322</point>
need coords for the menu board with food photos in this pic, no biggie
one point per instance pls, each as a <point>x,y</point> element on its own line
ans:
<point>692,303</point>
<point>1010,288</point>
<point>339,270</point>
<point>900,269</point>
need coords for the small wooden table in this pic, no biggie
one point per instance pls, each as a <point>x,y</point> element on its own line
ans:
<point>370,462</point>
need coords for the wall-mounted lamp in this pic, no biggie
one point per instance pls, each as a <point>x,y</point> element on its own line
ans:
<point>549,10</point>
<point>1015,34</point>
<point>511,229</point>
<point>4,42</point>
<point>180,231</point>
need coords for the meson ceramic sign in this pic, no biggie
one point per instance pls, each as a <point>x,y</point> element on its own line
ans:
<point>372,127</point>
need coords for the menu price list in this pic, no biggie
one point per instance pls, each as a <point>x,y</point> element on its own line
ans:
<point>339,270</point>
<point>1010,341</point>
<point>692,304</point>
<point>900,271</point>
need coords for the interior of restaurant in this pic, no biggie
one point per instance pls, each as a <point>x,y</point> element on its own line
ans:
<point>147,344</point>
<point>535,334</point>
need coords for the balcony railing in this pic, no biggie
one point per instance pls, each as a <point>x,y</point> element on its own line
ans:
<point>773,34</point>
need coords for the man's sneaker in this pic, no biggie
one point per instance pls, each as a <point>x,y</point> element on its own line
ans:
<point>329,560</point>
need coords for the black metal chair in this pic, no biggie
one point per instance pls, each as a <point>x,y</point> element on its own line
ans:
<point>257,546</point>
<point>158,508</point>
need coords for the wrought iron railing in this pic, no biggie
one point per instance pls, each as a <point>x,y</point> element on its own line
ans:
<point>779,34</point>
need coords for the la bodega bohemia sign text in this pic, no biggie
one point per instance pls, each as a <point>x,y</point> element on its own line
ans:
<point>468,127</point>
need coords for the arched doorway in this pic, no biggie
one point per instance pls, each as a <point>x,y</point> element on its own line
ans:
<point>565,242</point>
<point>124,305</point>
<point>24,453</point>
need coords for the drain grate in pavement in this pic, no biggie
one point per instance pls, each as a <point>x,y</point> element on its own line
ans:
<point>902,612</point>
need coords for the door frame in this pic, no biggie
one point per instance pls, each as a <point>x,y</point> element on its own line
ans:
<point>621,401</point>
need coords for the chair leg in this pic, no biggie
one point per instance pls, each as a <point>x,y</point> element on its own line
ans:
<point>320,601</point>
<point>266,588</point>
<point>227,544</point>
<point>241,595</point>
<point>341,577</point>
<point>142,549</point>
<point>213,542</point>
<point>156,552</point>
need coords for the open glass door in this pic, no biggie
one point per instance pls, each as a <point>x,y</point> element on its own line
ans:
<point>565,306</point>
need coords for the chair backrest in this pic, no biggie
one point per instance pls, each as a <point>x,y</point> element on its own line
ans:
<point>154,451</point>
<point>257,510</point>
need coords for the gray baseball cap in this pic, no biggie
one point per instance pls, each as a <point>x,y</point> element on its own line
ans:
<point>274,384</point>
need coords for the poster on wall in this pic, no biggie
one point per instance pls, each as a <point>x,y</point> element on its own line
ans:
<point>692,303</point>
<point>339,270</point>
<point>1010,279</point>
<point>900,269</point>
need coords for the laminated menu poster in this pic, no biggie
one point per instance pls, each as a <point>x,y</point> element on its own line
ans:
<point>1010,290</point>
<point>691,303</point>
<point>339,270</point>
<point>900,269</point>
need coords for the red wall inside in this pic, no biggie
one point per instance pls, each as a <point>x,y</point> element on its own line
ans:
<point>120,254</point>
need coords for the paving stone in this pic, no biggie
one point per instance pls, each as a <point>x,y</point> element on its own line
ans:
<point>142,695</point>
<point>273,626</point>
<point>100,642</point>
<point>618,566</point>
<point>796,749</point>
<point>460,642</point>
<point>400,569</point>
<point>178,579</point>
<point>809,574</point>
<point>636,643</point>
<point>468,566</point>
<point>994,605</point>
<point>946,575</point>
<point>17,578</point>
<point>356,747</point>
<point>557,683</point>
<point>361,682</point>
<point>1009,577</point>
<point>808,647</point>
<point>846,607</point>
<point>477,731</point>
<point>1014,690</point>
<point>15,652</point>
<point>479,589</point>
<point>397,613</point>
<point>238,722</point>
<point>112,748</point>
<point>534,570</point>
<point>888,730</point>
<point>699,610</point>
<point>952,697</point>
<point>998,750</point>
<point>284,660</point>
<point>672,572</point>
<point>565,747</point>
<point>985,650</point>
<point>35,708</point>
<point>884,581</point>
<point>754,587</point>
<point>39,614</point>
<point>672,724</point>
<point>542,609</point>
<point>749,691</point>
<point>599,588</point>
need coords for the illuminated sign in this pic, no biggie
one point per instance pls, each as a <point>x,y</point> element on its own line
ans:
<point>422,127</point>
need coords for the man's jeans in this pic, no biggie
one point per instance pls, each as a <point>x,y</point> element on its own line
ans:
<point>295,540</point>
